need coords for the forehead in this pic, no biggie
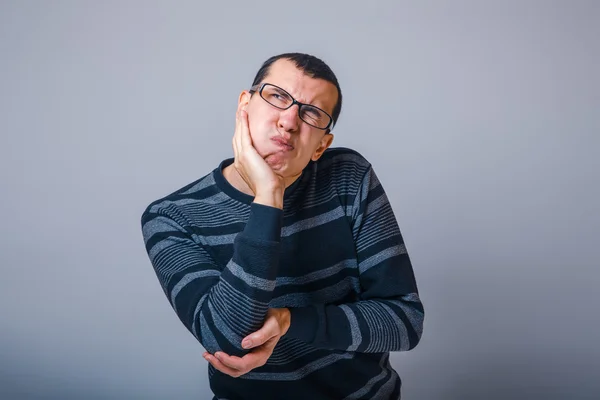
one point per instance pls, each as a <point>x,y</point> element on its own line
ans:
<point>305,89</point>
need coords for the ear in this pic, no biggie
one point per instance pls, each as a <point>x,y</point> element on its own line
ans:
<point>326,141</point>
<point>243,101</point>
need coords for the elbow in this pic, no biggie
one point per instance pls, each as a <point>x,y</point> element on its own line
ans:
<point>411,331</point>
<point>416,333</point>
<point>214,339</point>
<point>217,331</point>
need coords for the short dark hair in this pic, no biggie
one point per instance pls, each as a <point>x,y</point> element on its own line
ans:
<point>311,66</point>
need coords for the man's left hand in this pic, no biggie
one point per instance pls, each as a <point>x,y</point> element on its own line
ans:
<point>262,341</point>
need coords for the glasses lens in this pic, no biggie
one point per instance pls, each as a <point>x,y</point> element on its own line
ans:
<point>276,97</point>
<point>314,116</point>
<point>279,98</point>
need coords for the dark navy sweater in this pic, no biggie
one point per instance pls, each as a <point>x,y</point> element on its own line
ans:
<point>334,256</point>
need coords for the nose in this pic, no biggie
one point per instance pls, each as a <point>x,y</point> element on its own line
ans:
<point>289,119</point>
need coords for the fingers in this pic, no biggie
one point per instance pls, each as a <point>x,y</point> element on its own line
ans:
<point>236,141</point>
<point>252,167</point>
<point>236,366</point>
<point>214,361</point>
<point>269,330</point>
<point>243,142</point>
<point>245,138</point>
<point>244,364</point>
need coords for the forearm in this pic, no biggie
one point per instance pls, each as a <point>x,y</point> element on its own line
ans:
<point>388,315</point>
<point>375,325</point>
<point>238,303</point>
<point>218,304</point>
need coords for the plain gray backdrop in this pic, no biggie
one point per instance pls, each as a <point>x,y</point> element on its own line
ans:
<point>481,118</point>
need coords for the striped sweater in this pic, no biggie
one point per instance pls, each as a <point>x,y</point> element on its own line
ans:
<point>334,256</point>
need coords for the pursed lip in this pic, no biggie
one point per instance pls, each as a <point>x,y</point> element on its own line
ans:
<point>282,143</point>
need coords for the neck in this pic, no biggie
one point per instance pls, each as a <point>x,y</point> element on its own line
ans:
<point>235,179</point>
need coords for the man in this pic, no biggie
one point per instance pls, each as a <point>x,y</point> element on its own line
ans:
<point>286,262</point>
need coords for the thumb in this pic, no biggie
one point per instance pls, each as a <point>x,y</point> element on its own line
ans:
<point>259,337</point>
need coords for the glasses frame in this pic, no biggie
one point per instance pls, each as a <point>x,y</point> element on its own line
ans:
<point>261,87</point>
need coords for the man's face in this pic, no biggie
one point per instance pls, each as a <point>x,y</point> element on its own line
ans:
<point>282,139</point>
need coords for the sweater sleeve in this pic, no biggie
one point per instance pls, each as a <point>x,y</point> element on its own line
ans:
<point>218,304</point>
<point>389,315</point>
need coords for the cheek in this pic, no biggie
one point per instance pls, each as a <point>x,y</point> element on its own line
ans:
<point>255,123</point>
<point>308,148</point>
<point>260,121</point>
<point>259,133</point>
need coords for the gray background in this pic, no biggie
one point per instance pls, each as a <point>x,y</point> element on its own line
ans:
<point>481,119</point>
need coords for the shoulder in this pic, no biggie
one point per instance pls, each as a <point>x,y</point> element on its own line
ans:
<point>342,170</point>
<point>344,154</point>
<point>343,162</point>
<point>170,204</point>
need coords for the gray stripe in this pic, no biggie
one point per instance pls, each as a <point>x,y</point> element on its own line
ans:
<point>228,293</point>
<point>371,383</point>
<point>230,335</point>
<point>414,297</point>
<point>196,311</point>
<point>164,244</point>
<point>174,259</point>
<point>249,279</point>
<point>380,257</point>
<point>386,390</point>
<point>365,242</point>
<point>354,327</point>
<point>215,240</point>
<point>166,203</point>
<point>316,275</point>
<point>373,321</point>
<point>288,350</point>
<point>217,198</point>
<point>214,218</point>
<point>204,183</point>
<point>399,325</point>
<point>372,210</point>
<point>208,340</point>
<point>383,229</point>
<point>188,278</point>
<point>326,295</point>
<point>210,214</point>
<point>358,161</point>
<point>363,191</point>
<point>158,225</point>
<point>375,204</point>
<point>236,309</point>
<point>414,316</point>
<point>299,373</point>
<point>285,231</point>
<point>305,224</point>
<point>313,222</point>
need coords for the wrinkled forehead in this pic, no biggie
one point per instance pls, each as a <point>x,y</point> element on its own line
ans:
<point>302,87</point>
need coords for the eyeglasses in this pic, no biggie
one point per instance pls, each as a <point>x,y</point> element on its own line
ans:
<point>279,98</point>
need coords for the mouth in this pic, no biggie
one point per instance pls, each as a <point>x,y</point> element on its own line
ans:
<point>282,144</point>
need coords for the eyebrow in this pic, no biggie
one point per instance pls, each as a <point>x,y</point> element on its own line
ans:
<point>289,94</point>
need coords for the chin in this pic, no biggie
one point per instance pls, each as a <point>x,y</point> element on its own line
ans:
<point>276,163</point>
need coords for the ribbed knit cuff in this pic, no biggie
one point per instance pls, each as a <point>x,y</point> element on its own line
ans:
<point>264,223</point>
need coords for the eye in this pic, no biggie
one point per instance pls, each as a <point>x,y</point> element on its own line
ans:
<point>280,95</point>
<point>312,113</point>
<point>277,97</point>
